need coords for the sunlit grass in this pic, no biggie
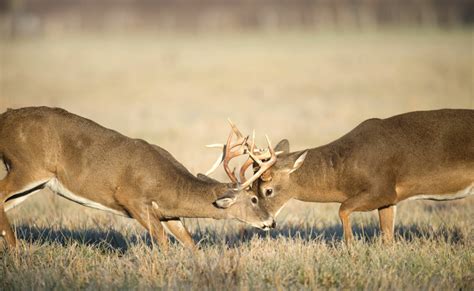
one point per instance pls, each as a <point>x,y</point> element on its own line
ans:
<point>63,245</point>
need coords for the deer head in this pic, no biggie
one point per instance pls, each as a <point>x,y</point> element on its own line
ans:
<point>275,185</point>
<point>272,168</point>
<point>247,208</point>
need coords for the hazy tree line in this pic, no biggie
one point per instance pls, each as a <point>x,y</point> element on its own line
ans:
<point>36,16</point>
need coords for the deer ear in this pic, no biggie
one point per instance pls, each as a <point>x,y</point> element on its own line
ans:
<point>226,200</point>
<point>299,162</point>
<point>283,146</point>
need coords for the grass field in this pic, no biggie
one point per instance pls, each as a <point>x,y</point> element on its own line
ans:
<point>176,90</point>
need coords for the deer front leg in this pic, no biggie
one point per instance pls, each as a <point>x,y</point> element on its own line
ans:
<point>365,201</point>
<point>176,228</point>
<point>156,230</point>
<point>145,215</point>
<point>150,222</point>
<point>387,222</point>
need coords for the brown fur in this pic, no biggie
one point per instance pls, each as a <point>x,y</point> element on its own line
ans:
<point>125,175</point>
<point>378,164</point>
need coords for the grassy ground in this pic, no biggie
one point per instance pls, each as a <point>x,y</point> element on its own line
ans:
<point>177,91</point>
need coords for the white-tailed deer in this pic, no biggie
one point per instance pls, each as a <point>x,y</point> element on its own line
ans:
<point>417,155</point>
<point>100,168</point>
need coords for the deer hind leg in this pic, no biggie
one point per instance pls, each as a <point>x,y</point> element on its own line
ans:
<point>14,187</point>
<point>387,222</point>
<point>346,224</point>
<point>365,201</point>
<point>5,229</point>
<point>19,183</point>
<point>176,228</point>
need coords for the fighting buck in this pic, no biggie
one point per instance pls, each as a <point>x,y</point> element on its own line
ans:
<point>97,167</point>
<point>417,155</point>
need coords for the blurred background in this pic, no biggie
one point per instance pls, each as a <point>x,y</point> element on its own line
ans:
<point>172,72</point>
<point>53,16</point>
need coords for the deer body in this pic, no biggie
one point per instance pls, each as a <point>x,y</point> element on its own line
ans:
<point>100,168</point>
<point>417,155</point>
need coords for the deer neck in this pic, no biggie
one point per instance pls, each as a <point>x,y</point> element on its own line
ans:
<point>317,179</point>
<point>195,198</point>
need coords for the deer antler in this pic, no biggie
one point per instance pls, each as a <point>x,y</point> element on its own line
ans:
<point>228,153</point>
<point>263,166</point>
<point>249,161</point>
<point>216,163</point>
<point>265,158</point>
<point>256,153</point>
<point>235,129</point>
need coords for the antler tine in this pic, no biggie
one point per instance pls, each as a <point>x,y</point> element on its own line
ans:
<point>255,158</point>
<point>215,145</point>
<point>229,154</point>
<point>228,157</point>
<point>235,129</point>
<point>263,166</point>
<point>249,161</point>
<point>242,143</point>
<point>216,164</point>
<point>270,146</point>
<point>244,168</point>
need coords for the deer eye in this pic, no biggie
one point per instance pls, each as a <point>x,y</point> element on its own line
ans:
<point>254,200</point>
<point>268,192</point>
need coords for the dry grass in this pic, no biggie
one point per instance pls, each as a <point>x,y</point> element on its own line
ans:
<point>176,91</point>
<point>67,246</point>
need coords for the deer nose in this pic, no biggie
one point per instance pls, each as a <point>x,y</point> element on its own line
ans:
<point>274,224</point>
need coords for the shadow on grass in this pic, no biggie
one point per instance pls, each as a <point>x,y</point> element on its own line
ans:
<point>334,234</point>
<point>114,241</point>
<point>106,240</point>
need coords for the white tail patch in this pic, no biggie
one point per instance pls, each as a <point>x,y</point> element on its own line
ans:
<point>445,197</point>
<point>55,186</point>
